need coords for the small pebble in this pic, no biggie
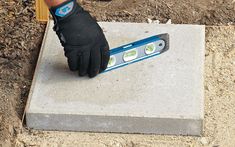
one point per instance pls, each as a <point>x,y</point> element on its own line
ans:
<point>169,21</point>
<point>149,20</point>
<point>204,141</point>
<point>156,21</point>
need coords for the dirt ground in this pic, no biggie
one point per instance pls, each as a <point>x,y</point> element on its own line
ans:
<point>21,36</point>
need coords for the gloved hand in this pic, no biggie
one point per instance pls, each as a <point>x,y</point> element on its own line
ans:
<point>85,45</point>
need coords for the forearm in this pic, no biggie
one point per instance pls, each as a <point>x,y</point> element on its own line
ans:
<point>52,3</point>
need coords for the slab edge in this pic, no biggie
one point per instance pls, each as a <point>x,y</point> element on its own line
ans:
<point>116,124</point>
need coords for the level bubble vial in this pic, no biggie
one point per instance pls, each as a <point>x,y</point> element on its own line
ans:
<point>150,48</point>
<point>112,61</point>
<point>130,55</point>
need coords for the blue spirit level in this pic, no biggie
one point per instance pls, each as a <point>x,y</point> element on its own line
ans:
<point>138,51</point>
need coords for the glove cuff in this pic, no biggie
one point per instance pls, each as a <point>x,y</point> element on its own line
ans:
<point>64,10</point>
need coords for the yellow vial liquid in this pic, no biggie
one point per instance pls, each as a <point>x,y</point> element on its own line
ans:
<point>150,48</point>
<point>130,55</point>
<point>112,61</point>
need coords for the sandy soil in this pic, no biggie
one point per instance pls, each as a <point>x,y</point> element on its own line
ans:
<point>21,36</point>
<point>20,39</point>
<point>209,12</point>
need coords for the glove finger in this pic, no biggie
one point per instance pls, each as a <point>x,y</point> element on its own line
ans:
<point>84,63</point>
<point>72,61</point>
<point>105,56</point>
<point>95,60</point>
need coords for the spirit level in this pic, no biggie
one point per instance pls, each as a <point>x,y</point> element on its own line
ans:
<point>138,51</point>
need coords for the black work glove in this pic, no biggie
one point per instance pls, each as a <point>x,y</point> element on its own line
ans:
<point>83,40</point>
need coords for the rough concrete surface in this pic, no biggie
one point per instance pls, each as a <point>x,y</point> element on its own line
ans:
<point>162,95</point>
<point>219,126</point>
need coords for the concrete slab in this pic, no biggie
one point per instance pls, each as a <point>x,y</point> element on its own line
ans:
<point>162,95</point>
